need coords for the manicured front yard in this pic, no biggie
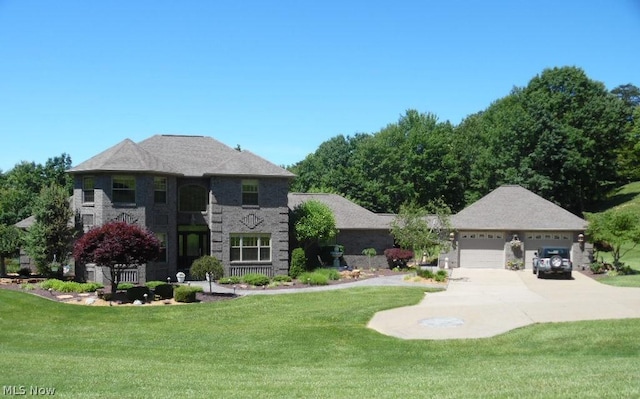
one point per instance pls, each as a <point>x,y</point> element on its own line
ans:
<point>303,345</point>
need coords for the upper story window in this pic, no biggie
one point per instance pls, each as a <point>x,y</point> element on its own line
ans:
<point>123,189</point>
<point>88,186</point>
<point>249,192</point>
<point>193,198</point>
<point>160,190</point>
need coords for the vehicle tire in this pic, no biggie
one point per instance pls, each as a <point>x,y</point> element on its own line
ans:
<point>540,274</point>
<point>555,261</point>
<point>567,275</point>
<point>533,270</point>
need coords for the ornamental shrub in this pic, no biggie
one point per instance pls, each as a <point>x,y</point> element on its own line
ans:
<point>257,279</point>
<point>138,293</point>
<point>207,264</point>
<point>398,257</point>
<point>69,286</point>
<point>298,262</point>
<point>164,291</point>
<point>425,273</point>
<point>441,276</point>
<point>125,286</point>
<point>153,284</point>
<point>187,294</point>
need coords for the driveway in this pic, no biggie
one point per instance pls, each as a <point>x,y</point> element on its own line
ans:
<point>483,303</point>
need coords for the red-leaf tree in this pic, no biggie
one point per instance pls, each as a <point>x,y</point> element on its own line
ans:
<point>117,246</point>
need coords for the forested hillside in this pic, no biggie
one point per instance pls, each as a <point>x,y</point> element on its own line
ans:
<point>563,136</point>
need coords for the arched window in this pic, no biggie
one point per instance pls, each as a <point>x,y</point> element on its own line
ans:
<point>193,199</point>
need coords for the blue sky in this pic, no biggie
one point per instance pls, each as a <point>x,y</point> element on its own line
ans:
<point>279,78</point>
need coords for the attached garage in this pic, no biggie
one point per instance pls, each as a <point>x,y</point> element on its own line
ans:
<point>513,215</point>
<point>535,240</point>
<point>481,249</point>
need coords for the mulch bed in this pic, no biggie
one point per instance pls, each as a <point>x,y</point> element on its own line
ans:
<point>120,297</point>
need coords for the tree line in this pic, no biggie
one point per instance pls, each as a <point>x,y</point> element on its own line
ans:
<point>563,136</point>
<point>43,191</point>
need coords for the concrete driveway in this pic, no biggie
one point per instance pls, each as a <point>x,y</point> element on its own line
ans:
<point>483,303</point>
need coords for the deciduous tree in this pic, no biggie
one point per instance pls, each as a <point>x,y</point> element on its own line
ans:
<point>423,229</point>
<point>117,246</point>
<point>617,227</point>
<point>10,240</point>
<point>313,222</point>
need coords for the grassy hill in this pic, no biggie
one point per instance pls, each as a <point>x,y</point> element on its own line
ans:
<point>627,196</point>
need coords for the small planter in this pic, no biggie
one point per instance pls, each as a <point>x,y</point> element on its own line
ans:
<point>180,276</point>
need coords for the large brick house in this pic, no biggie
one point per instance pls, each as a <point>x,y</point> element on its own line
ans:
<point>199,196</point>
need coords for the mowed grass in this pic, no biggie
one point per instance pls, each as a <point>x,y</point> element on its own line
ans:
<point>313,345</point>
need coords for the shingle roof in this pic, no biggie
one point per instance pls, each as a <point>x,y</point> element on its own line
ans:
<point>348,215</point>
<point>181,155</point>
<point>125,156</point>
<point>513,207</point>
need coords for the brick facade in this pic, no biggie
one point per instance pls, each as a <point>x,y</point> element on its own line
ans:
<point>224,215</point>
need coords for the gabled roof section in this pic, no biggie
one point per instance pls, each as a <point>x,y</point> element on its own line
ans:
<point>202,156</point>
<point>512,207</point>
<point>193,156</point>
<point>348,215</point>
<point>125,156</point>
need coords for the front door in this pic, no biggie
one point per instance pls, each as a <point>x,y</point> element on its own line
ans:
<point>193,242</point>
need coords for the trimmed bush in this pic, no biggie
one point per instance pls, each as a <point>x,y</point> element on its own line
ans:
<point>257,279</point>
<point>138,293</point>
<point>69,286</point>
<point>298,263</point>
<point>207,264</point>
<point>164,291</point>
<point>153,284</point>
<point>185,293</point>
<point>230,280</point>
<point>125,286</point>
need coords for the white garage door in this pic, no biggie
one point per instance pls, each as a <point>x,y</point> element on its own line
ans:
<point>481,249</point>
<point>535,240</point>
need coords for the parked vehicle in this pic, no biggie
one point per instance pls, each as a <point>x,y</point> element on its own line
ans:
<point>552,260</point>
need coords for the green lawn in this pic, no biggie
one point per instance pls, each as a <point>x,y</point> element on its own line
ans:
<point>312,345</point>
